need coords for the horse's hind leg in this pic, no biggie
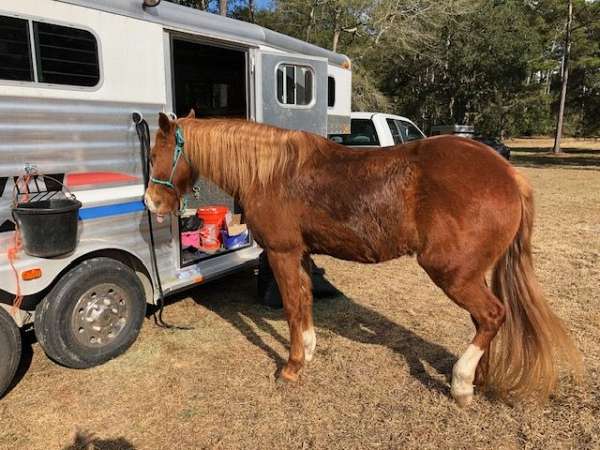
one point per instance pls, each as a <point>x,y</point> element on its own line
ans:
<point>488,315</point>
<point>287,271</point>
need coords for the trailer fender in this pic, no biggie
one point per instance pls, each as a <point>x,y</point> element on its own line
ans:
<point>53,268</point>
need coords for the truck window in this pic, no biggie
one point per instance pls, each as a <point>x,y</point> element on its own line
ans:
<point>15,52</point>
<point>408,131</point>
<point>362,132</point>
<point>394,130</point>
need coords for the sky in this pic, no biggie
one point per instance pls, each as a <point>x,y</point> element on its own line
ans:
<point>262,4</point>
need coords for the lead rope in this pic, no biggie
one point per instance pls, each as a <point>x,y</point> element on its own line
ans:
<point>143,132</point>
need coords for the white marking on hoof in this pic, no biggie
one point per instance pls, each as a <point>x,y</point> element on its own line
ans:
<point>310,343</point>
<point>463,375</point>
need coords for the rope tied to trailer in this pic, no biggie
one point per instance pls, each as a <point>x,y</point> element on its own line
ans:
<point>143,131</point>
<point>13,252</point>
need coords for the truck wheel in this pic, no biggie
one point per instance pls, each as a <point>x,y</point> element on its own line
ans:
<point>10,350</point>
<point>92,315</point>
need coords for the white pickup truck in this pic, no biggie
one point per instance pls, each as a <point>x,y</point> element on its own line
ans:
<point>369,129</point>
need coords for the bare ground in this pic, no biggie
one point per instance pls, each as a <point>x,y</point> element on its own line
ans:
<point>548,143</point>
<point>380,376</point>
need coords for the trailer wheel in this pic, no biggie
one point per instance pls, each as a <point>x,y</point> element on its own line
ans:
<point>92,315</point>
<point>10,350</point>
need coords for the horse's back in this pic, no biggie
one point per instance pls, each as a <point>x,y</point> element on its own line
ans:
<point>359,205</point>
<point>457,172</point>
<point>376,205</point>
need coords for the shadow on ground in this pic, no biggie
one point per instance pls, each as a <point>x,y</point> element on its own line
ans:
<point>543,157</point>
<point>87,441</point>
<point>28,339</point>
<point>339,314</point>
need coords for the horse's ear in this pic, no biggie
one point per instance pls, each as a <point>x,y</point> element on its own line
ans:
<point>164,123</point>
<point>191,114</point>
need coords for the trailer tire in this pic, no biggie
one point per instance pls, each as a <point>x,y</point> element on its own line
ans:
<point>93,314</point>
<point>266,285</point>
<point>10,350</point>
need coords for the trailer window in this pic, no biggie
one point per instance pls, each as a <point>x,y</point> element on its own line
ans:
<point>15,52</point>
<point>330,91</point>
<point>66,55</point>
<point>294,84</point>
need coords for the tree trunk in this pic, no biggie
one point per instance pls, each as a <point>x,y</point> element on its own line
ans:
<point>336,30</point>
<point>564,79</point>
<point>251,10</point>
<point>223,7</point>
<point>336,40</point>
<point>311,18</point>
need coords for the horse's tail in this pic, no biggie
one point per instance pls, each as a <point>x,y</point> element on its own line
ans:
<point>522,357</point>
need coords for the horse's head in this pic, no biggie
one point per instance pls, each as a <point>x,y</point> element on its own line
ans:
<point>171,172</point>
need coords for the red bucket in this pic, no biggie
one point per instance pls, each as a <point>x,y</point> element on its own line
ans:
<point>213,218</point>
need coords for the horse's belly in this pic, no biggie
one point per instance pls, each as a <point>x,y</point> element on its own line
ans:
<point>367,246</point>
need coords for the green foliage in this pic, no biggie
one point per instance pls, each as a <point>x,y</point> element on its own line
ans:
<point>366,96</point>
<point>495,64</point>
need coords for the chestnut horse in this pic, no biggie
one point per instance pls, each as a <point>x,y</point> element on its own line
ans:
<point>452,202</point>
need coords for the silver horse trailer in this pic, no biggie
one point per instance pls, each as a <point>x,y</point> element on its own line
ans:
<point>72,74</point>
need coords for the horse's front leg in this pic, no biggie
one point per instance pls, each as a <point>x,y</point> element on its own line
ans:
<point>306,295</point>
<point>286,267</point>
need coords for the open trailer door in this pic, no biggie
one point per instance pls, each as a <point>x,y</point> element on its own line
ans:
<point>209,78</point>
<point>291,91</point>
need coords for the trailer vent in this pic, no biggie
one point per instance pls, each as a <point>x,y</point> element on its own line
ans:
<point>66,55</point>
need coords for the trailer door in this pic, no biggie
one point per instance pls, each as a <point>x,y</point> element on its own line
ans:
<point>292,91</point>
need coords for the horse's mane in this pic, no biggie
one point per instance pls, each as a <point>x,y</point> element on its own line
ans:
<point>237,154</point>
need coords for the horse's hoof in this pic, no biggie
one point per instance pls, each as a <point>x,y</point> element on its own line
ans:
<point>288,376</point>
<point>463,400</point>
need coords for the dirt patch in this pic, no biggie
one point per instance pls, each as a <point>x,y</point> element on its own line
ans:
<point>380,375</point>
<point>548,143</point>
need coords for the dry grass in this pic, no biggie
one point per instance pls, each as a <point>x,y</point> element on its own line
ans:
<point>380,377</point>
<point>566,143</point>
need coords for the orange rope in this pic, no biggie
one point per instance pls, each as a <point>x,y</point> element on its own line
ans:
<point>12,256</point>
<point>13,252</point>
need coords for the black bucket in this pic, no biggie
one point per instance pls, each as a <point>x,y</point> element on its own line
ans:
<point>48,227</point>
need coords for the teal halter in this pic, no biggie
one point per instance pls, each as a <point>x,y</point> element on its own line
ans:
<point>179,143</point>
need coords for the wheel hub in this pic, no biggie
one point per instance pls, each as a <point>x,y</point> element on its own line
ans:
<point>100,315</point>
